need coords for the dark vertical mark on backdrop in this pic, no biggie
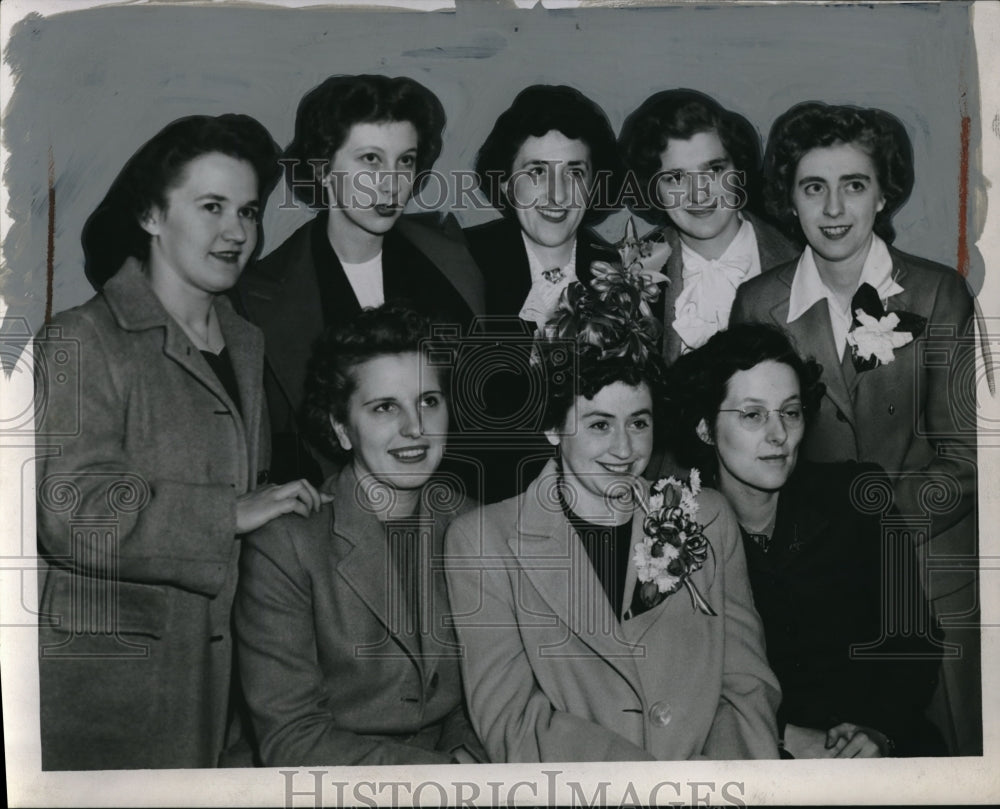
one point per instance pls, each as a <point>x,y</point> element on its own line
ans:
<point>50,248</point>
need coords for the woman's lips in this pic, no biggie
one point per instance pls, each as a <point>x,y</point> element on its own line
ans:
<point>617,468</point>
<point>386,210</point>
<point>410,454</point>
<point>701,213</point>
<point>835,233</point>
<point>227,256</point>
<point>553,214</point>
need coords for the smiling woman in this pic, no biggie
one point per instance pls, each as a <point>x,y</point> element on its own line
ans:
<point>346,652</point>
<point>160,434</point>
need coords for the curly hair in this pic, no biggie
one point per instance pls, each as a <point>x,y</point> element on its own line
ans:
<point>327,113</point>
<point>113,231</point>
<point>536,111</point>
<point>331,378</point>
<point>814,125</point>
<point>697,384</point>
<point>680,115</point>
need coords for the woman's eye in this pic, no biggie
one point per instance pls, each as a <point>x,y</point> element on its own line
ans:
<point>641,424</point>
<point>812,189</point>
<point>856,186</point>
<point>792,413</point>
<point>578,172</point>
<point>384,407</point>
<point>430,401</point>
<point>536,171</point>
<point>673,178</point>
<point>599,426</point>
<point>408,161</point>
<point>253,214</point>
<point>752,416</point>
<point>718,168</point>
<point>213,207</point>
<point>370,158</point>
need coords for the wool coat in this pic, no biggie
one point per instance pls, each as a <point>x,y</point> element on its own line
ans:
<point>551,674</point>
<point>333,670</point>
<point>142,455</point>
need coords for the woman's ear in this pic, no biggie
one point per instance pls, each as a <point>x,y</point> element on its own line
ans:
<point>881,203</point>
<point>704,433</point>
<point>341,433</point>
<point>554,438</point>
<point>150,221</point>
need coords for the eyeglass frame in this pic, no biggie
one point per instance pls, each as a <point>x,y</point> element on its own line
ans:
<point>767,416</point>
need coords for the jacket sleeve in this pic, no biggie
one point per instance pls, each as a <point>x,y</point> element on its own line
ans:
<point>509,710</point>
<point>168,531</point>
<point>948,408</point>
<point>745,725</point>
<point>281,675</point>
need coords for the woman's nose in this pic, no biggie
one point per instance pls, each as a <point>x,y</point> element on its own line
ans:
<point>621,446</point>
<point>834,204</point>
<point>411,425</point>
<point>776,432</point>
<point>700,187</point>
<point>236,229</point>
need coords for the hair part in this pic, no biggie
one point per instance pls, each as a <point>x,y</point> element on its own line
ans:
<point>113,232</point>
<point>815,125</point>
<point>327,113</point>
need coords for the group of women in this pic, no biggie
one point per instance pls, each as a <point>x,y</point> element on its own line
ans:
<point>347,534</point>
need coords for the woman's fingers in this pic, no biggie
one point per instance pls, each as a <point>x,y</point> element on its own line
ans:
<point>262,505</point>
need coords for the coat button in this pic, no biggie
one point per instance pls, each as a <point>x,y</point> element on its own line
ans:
<point>892,409</point>
<point>660,713</point>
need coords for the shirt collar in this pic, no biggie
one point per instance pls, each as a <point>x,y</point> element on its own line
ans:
<point>808,286</point>
<point>537,267</point>
<point>742,251</point>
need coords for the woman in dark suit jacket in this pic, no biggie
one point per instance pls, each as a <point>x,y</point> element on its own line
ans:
<point>345,653</point>
<point>904,400</point>
<point>836,583</point>
<point>550,166</point>
<point>153,404</point>
<point>360,146</point>
<point>573,649</point>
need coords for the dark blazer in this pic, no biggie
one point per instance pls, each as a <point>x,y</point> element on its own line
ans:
<point>499,250</point>
<point>293,300</point>
<point>331,671</point>
<point>142,455</point>
<point>914,417</point>
<point>836,577</point>
<point>552,675</point>
<point>774,249</point>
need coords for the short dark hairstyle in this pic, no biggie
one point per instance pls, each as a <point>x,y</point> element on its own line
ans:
<point>680,115</point>
<point>697,384</point>
<point>113,231</point>
<point>536,111</point>
<point>327,113</point>
<point>392,328</point>
<point>813,125</point>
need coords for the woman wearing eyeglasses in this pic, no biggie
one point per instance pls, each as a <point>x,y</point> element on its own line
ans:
<point>833,621</point>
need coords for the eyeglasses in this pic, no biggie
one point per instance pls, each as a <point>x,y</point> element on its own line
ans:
<point>754,417</point>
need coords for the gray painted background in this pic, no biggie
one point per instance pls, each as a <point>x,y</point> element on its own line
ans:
<point>93,85</point>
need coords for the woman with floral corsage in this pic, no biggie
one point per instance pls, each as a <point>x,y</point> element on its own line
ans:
<point>894,336</point>
<point>602,619</point>
<point>846,621</point>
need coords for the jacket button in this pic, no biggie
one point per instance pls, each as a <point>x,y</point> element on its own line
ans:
<point>660,713</point>
<point>841,416</point>
<point>892,409</point>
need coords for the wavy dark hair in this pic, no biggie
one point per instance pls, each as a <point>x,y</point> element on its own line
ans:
<point>813,125</point>
<point>536,111</point>
<point>113,231</point>
<point>327,113</point>
<point>697,384</point>
<point>680,115</point>
<point>392,328</point>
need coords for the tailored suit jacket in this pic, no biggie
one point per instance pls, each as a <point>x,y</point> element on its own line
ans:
<point>552,675</point>
<point>331,669</point>
<point>142,457</point>
<point>914,417</point>
<point>281,294</point>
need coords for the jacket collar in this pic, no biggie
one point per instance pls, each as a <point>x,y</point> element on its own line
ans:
<point>547,549</point>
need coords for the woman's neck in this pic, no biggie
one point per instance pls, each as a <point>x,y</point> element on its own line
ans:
<point>190,307</point>
<point>716,247</point>
<point>597,509</point>
<point>552,257</point>
<point>352,244</point>
<point>843,277</point>
<point>755,508</point>
<point>386,502</point>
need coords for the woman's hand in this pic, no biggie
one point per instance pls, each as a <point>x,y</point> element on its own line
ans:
<point>806,742</point>
<point>847,740</point>
<point>262,505</point>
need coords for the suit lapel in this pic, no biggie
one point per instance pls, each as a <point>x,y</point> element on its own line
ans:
<point>552,558</point>
<point>674,270</point>
<point>246,352</point>
<point>367,569</point>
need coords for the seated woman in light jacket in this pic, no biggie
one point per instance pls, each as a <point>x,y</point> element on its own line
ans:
<point>345,655</point>
<point>600,619</point>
